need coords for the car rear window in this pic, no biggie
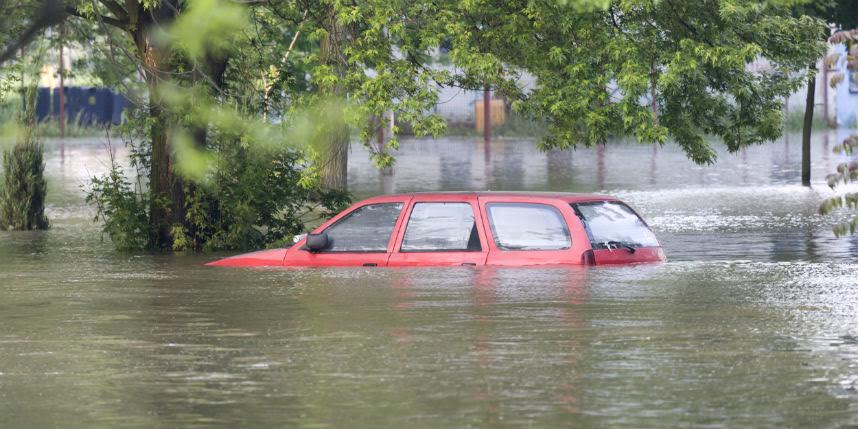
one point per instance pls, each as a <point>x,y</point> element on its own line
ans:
<point>612,223</point>
<point>441,227</point>
<point>528,226</point>
<point>367,229</point>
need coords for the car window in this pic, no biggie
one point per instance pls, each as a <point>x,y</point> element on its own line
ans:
<point>441,227</point>
<point>367,229</point>
<point>611,223</point>
<point>526,226</point>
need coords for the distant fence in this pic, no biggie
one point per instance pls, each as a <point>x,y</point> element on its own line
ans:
<point>83,105</point>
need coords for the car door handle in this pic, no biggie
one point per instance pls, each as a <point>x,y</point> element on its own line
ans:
<point>370,264</point>
<point>469,264</point>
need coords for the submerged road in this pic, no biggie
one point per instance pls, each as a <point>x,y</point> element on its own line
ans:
<point>752,323</point>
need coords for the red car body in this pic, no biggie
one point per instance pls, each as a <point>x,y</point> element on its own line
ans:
<point>568,211</point>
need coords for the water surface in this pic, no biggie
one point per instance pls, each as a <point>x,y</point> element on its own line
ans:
<point>752,323</point>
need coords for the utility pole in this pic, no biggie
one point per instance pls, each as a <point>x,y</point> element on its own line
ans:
<point>832,122</point>
<point>62,86</point>
<point>825,92</point>
<point>487,120</point>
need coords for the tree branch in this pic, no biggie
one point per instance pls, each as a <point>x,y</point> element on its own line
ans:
<point>121,24</point>
<point>687,26</point>
<point>116,9</point>
<point>49,13</point>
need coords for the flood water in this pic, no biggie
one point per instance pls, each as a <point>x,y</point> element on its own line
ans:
<point>752,323</point>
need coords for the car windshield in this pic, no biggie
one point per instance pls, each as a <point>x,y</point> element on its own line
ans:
<point>612,224</point>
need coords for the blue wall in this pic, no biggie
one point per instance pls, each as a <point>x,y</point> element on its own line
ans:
<point>83,105</point>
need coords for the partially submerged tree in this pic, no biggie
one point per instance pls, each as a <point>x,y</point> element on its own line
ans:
<point>22,186</point>
<point>22,196</point>
<point>595,63</point>
<point>594,68</point>
<point>841,14</point>
<point>209,162</point>
<point>193,57</point>
<point>160,63</point>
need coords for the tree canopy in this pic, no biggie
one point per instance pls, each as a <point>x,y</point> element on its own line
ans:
<point>594,61</point>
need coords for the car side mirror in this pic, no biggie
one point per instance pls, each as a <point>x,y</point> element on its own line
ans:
<point>317,242</point>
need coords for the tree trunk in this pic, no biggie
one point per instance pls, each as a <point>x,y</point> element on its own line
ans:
<point>335,150</point>
<point>166,190</point>
<point>335,159</point>
<point>167,198</point>
<point>807,127</point>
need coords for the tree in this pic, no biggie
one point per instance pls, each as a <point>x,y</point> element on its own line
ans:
<point>23,187</point>
<point>35,17</point>
<point>839,13</point>
<point>180,61</point>
<point>161,63</point>
<point>594,67</point>
<point>374,58</point>
<point>332,56</point>
<point>594,62</point>
<point>22,197</point>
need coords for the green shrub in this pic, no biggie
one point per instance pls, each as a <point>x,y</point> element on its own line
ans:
<point>22,197</point>
<point>252,200</point>
<point>249,199</point>
<point>123,208</point>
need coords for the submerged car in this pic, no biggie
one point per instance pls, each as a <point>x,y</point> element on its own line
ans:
<point>472,229</point>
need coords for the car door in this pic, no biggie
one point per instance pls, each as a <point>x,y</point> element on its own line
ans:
<point>531,231</point>
<point>441,231</point>
<point>363,235</point>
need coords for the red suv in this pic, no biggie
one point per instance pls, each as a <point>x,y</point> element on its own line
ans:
<point>471,228</point>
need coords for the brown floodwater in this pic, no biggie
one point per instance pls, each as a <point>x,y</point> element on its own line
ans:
<point>752,323</point>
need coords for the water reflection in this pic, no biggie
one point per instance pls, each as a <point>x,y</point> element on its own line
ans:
<point>457,164</point>
<point>559,171</point>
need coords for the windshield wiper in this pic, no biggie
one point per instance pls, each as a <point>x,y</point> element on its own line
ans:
<point>618,244</point>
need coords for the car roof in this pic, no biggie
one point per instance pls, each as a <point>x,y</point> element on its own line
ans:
<point>563,196</point>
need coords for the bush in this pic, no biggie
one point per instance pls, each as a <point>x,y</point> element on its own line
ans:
<point>22,197</point>
<point>249,199</point>
<point>123,208</point>
<point>252,199</point>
